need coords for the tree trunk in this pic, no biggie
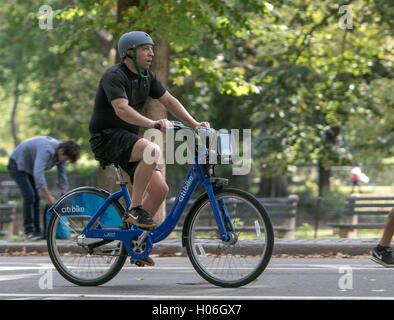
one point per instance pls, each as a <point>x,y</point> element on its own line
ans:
<point>324,179</point>
<point>273,187</point>
<point>324,170</point>
<point>14,124</point>
<point>123,6</point>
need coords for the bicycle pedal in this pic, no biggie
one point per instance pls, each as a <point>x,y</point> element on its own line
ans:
<point>136,262</point>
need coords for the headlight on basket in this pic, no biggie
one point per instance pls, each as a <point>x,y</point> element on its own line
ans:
<point>225,147</point>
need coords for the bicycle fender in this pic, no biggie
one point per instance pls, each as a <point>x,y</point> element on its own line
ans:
<point>70,193</point>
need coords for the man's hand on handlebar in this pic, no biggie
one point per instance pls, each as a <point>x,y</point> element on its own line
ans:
<point>162,125</point>
<point>201,124</point>
<point>165,124</point>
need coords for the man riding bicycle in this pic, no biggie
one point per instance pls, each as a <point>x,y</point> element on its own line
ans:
<point>116,118</point>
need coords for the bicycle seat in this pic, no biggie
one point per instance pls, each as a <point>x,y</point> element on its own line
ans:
<point>104,164</point>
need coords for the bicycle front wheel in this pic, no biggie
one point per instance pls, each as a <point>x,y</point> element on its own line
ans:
<point>236,262</point>
<point>85,261</point>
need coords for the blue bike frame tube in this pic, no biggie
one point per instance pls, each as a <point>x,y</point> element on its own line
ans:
<point>184,194</point>
<point>194,176</point>
<point>126,196</point>
<point>211,195</point>
<point>219,221</point>
<point>225,214</point>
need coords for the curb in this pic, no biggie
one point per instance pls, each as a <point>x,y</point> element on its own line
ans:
<point>295,247</point>
<point>351,247</point>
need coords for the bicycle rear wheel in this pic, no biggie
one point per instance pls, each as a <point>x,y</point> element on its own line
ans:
<point>242,259</point>
<point>83,261</point>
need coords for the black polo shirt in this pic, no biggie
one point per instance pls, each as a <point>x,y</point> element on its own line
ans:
<point>119,82</point>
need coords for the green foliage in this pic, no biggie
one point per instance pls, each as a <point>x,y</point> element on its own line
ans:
<point>311,92</point>
<point>307,194</point>
<point>315,83</point>
<point>332,202</point>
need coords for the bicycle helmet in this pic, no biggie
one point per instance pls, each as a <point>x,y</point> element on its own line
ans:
<point>131,40</point>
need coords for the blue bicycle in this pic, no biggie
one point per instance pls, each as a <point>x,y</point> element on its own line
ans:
<point>227,232</point>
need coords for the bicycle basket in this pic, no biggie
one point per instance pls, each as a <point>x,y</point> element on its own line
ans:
<point>225,147</point>
<point>220,145</point>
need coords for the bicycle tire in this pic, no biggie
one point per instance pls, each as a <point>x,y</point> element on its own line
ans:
<point>212,258</point>
<point>58,250</point>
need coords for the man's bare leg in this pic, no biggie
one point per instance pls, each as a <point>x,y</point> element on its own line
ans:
<point>382,253</point>
<point>145,178</point>
<point>142,176</point>
<point>144,170</point>
<point>156,193</point>
<point>388,232</point>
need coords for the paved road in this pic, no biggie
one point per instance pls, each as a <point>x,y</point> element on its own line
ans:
<point>26,278</point>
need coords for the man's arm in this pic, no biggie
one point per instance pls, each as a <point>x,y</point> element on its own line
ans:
<point>50,200</point>
<point>173,105</point>
<point>129,115</point>
<point>62,177</point>
<point>40,161</point>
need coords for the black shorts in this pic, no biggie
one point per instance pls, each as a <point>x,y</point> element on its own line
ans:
<point>115,146</point>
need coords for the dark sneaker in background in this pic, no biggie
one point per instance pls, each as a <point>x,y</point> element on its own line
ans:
<point>33,236</point>
<point>383,256</point>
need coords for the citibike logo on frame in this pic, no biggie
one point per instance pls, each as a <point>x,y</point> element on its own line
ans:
<point>72,209</point>
<point>185,188</point>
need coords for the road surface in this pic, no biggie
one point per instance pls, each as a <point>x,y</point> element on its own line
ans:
<point>34,278</point>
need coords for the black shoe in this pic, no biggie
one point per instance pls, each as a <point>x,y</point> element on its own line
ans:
<point>32,236</point>
<point>383,256</point>
<point>140,218</point>
<point>143,262</point>
<point>28,236</point>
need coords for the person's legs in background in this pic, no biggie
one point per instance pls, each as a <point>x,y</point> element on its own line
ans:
<point>31,200</point>
<point>36,208</point>
<point>382,253</point>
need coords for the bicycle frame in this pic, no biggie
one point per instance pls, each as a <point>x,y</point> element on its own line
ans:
<point>195,175</point>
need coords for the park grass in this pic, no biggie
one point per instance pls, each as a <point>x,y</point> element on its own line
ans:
<point>327,233</point>
<point>369,190</point>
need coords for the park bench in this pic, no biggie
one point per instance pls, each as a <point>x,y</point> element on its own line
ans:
<point>282,212</point>
<point>9,189</point>
<point>365,207</point>
<point>7,216</point>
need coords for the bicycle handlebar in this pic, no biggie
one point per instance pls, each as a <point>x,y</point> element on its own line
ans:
<point>177,125</point>
<point>157,126</point>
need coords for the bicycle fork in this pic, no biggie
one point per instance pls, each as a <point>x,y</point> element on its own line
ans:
<point>222,218</point>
